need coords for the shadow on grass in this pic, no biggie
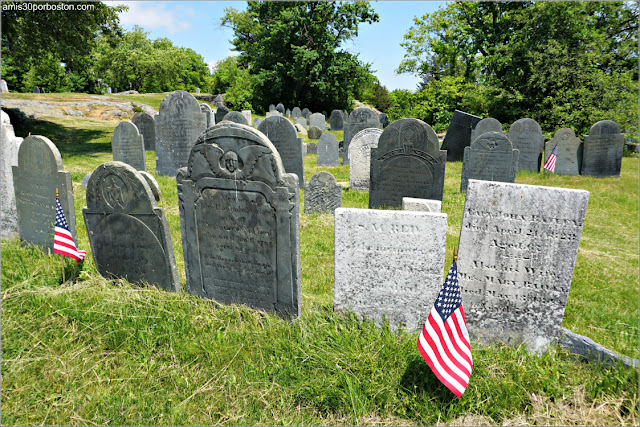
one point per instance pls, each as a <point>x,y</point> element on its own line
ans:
<point>418,379</point>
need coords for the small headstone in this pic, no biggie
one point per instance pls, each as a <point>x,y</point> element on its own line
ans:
<point>569,153</point>
<point>275,113</point>
<point>36,89</point>
<point>211,117</point>
<point>527,138</point>
<point>603,147</point>
<point>9,146</point>
<point>336,120</point>
<point>288,113</point>
<point>85,180</point>
<point>236,117</point>
<point>300,129</point>
<point>486,125</point>
<point>312,148</point>
<point>42,90</point>
<point>197,91</point>
<point>389,264</point>
<point>280,108</point>
<point>283,136</point>
<point>127,145</point>
<point>301,121</point>
<point>317,119</point>
<point>272,107</point>
<point>256,122</point>
<point>314,132</point>
<point>517,251</point>
<point>459,134</point>
<point>422,205</point>
<point>247,115</point>
<point>3,86</point>
<point>218,101</point>
<point>407,162</point>
<point>359,119</point>
<point>109,90</point>
<point>328,150</point>
<point>490,157</point>
<point>324,113</point>
<point>220,113</point>
<point>147,127</point>
<point>128,233</point>
<point>295,113</point>
<point>322,193</point>
<point>239,213</point>
<point>384,120</point>
<point>305,113</point>
<point>153,184</point>
<point>360,156</point>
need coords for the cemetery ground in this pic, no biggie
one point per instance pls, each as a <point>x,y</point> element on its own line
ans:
<point>93,351</point>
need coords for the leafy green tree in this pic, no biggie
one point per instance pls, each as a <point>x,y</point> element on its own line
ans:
<point>377,95</point>
<point>235,82</point>
<point>46,72</point>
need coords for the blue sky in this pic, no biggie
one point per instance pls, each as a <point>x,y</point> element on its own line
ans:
<point>196,25</point>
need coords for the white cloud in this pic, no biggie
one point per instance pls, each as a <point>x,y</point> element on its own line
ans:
<point>155,15</point>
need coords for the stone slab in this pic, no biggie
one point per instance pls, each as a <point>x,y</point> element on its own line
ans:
<point>322,194</point>
<point>421,205</point>
<point>360,157</point>
<point>9,147</point>
<point>236,117</point>
<point>359,119</point>
<point>147,127</point>
<point>569,154</point>
<point>459,134</point>
<point>526,137</point>
<point>318,120</point>
<point>301,121</point>
<point>127,145</point>
<point>603,147</point>
<point>210,115</point>
<point>283,136</point>
<point>327,150</point>
<point>488,124</point>
<point>336,120</point>
<point>490,157</point>
<point>312,148</point>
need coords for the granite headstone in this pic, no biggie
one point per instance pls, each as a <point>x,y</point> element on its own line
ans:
<point>360,155</point>
<point>283,136</point>
<point>459,134</point>
<point>527,138</point>
<point>127,145</point>
<point>322,193</point>
<point>490,157</point>
<point>569,153</point>
<point>603,147</point>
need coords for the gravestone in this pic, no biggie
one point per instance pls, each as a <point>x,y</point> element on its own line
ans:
<point>35,180</point>
<point>210,115</point>
<point>517,251</point>
<point>407,162</point>
<point>314,132</point>
<point>220,113</point>
<point>300,129</point>
<point>304,150</point>
<point>272,107</point>
<point>422,205</point>
<point>301,121</point>
<point>153,184</point>
<point>288,113</point>
<point>389,264</point>
<point>275,113</point>
<point>218,101</point>
<point>239,215</point>
<point>128,232</point>
<point>312,148</point>
<point>486,125</point>
<point>336,120</point>
<point>127,145</point>
<point>178,125</point>
<point>197,91</point>
<point>527,138</point>
<point>147,127</point>
<point>236,117</point>
<point>280,108</point>
<point>305,113</point>
<point>359,119</point>
<point>569,153</point>
<point>459,134</point>
<point>9,146</point>
<point>603,147</point>
<point>317,119</point>
<point>296,112</point>
<point>109,90</point>
<point>322,194</point>
<point>256,122</point>
<point>328,150</point>
<point>3,86</point>
<point>324,113</point>
<point>85,180</point>
<point>36,89</point>
<point>360,155</point>
<point>283,136</point>
<point>490,157</point>
<point>42,90</point>
<point>384,120</point>
<point>247,115</point>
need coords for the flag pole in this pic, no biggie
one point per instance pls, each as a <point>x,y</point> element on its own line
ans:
<point>455,253</point>
<point>61,256</point>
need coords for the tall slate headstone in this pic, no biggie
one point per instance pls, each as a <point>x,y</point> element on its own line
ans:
<point>517,250</point>
<point>384,120</point>
<point>317,119</point>
<point>9,146</point>
<point>359,119</point>
<point>127,145</point>
<point>128,232</point>
<point>459,134</point>
<point>527,138</point>
<point>178,124</point>
<point>569,153</point>
<point>220,113</point>
<point>407,162</point>
<point>322,193</point>
<point>305,113</point>
<point>211,117</point>
<point>328,150</point>
<point>283,136</point>
<point>239,214</point>
<point>36,89</point>
<point>490,157</point>
<point>236,117</point>
<point>336,120</point>
<point>488,124</point>
<point>603,147</point>
<point>296,112</point>
<point>147,127</point>
<point>360,155</point>
<point>280,108</point>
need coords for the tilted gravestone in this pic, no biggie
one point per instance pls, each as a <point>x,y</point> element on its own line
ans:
<point>336,120</point>
<point>153,184</point>
<point>459,134</point>
<point>384,120</point>
<point>178,125</point>
<point>389,264</point>
<point>314,132</point>
<point>322,193</point>
<point>305,113</point>
<point>295,113</point>
<point>423,205</point>
<point>317,119</point>
<point>220,113</point>
<point>247,115</point>
<point>300,129</point>
<point>280,108</point>
<point>236,117</point>
<point>486,125</point>
<point>569,153</point>
<point>490,157</point>
<point>360,156</point>
<point>359,119</point>
<point>239,214</point>
<point>147,128</point>
<point>518,247</point>
<point>283,136</point>
<point>9,146</point>
<point>301,121</point>
<point>35,180</point>
<point>127,145</point>
<point>328,150</point>
<point>602,152</point>
<point>128,232</point>
<point>527,138</point>
<point>211,117</point>
<point>256,122</point>
<point>407,162</point>
<point>272,107</point>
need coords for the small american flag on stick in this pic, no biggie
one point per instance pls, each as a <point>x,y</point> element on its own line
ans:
<point>550,164</point>
<point>63,243</point>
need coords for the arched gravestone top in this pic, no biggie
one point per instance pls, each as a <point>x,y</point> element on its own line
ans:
<point>280,108</point>
<point>486,125</point>
<point>236,117</point>
<point>363,115</point>
<point>205,108</point>
<point>317,119</point>
<point>127,145</point>
<point>179,102</point>
<point>490,157</point>
<point>322,193</point>
<point>360,156</point>
<point>569,153</point>
<point>384,120</point>
<point>526,136</point>
<point>359,119</point>
<point>147,127</point>
<point>153,184</point>
<point>604,127</point>
<point>305,113</point>
<point>327,150</point>
<point>336,120</point>
<point>220,113</point>
<point>284,137</point>
<point>272,107</point>
<point>296,112</point>
<point>602,151</point>
<point>210,114</point>
<point>458,135</point>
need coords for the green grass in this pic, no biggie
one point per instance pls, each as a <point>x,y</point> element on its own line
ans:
<point>92,351</point>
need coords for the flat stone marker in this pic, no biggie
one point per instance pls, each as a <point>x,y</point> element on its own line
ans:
<point>128,232</point>
<point>283,136</point>
<point>359,119</point>
<point>527,138</point>
<point>305,113</point>
<point>127,145</point>
<point>314,132</point>
<point>295,113</point>
<point>280,108</point>
<point>518,247</point>
<point>247,115</point>
<point>407,162</point>
<point>603,149</point>
<point>328,150</point>
<point>569,154</point>
<point>490,157</point>
<point>147,128</point>
<point>9,146</point>
<point>322,193</point>
<point>421,205</point>
<point>360,155</point>
<point>312,148</point>
<point>211,116</point>
<point>459,134</point>
<point>486,125</point>
<point>220,113</point>
<point>239,215</point>
<point>178,125</point>
<point>389,264</point>
<point>35,179</point>
<point>236,117</point>
<point>336,120</point>
<point>256,122</point>
<point>317,119</point>
<point>301,121</point>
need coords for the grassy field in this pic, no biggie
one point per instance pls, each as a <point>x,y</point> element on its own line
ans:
<point>92,351</point>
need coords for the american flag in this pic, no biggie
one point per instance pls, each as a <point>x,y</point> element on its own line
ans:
<point>444,340</point>
<point>550,164</point>
<point>63,243</point>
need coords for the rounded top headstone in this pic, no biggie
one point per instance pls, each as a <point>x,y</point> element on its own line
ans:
<point>280,108</point>
<point>38,155</point>
<point>408,133</point>
<point>492,141</point>
<point>604,127</point>
<point>487,125</point>
<point>179,102</point>
<point>525,125</point>
<point>363,115</point>
<point>205,108</point>
<point>277,127</point>
<point>323,178</point>
<point>116,187</point>
<point>564,134</point>
<point>236,117</point>
<point>126,130</point>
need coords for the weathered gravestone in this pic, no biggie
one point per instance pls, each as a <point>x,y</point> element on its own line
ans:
<point>312,148</point>
<point>360,156</point>
<point>301,121</point>
<point>305,113</point>
<point>314,132</point>
<point>153,184</point>
<point>322,193</point>
<point>296,112</point>
<point>287,113</point>
<point>569,153</point>
<point>128,233</point>
<point>256,122</point>
<point>490,157</point>
<point>486,125</point>
<point>109,90</point>
<point>197,91</point>
<point>239,216</point>
<point>518,247</point>
<point>422,205</point>
<point>178,125</point>
<point>389,264</point>
<point>359,119</point>
<point>247,115</point>
<point>147,127</point>
<point>236,117</point>
<point>85,180</point>
<point>280,108</point>
<point>317,119</point>
<point>527,138</point>
<point>283,136</point>
<point>211,116</point>
<point>9,146</point>
<point>273,113</point>
<point>300,129</point>
<point>459,134</point>
<point>407,162</point>
<point>218,101</point>
<point>272,107</point>
<point>220,113</point>
<point>36,89</point>
<point>328,150</point>
<point>384,120</point>
<point>603,147</point>
<point>336,120</point>
<point>3,86</point>
<point>35,180</point>
<point>127,145</point>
